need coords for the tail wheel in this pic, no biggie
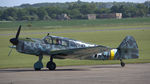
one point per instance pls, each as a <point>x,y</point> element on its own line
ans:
<point>122,64</point>
<point>51,65</point>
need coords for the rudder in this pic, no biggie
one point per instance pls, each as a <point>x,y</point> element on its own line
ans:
<point>128,49</point>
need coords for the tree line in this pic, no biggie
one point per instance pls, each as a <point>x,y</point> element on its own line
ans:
<point>75,10</point>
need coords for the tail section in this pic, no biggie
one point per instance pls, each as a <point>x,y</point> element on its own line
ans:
<point>128,49</point>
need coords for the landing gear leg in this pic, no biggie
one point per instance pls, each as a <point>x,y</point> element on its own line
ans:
<point>38,65</point>
<point>51,65</point>
<point>122,63</point>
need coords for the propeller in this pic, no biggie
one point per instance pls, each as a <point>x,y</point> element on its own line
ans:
<point>15,41</point>
<point>10,52</point>
<point>47,34</point>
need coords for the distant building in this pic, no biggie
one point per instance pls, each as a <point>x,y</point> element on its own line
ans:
<point>63,17</point>
<point>111,15</point>
<point>119,15</point>
<point>91,16</point>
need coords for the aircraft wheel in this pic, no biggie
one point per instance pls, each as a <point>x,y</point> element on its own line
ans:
<point>37,69</point>
<point>51,65</point>
<point>38,65</point>
<point>122,64</point>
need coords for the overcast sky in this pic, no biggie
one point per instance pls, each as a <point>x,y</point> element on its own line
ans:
<point>10,3</point>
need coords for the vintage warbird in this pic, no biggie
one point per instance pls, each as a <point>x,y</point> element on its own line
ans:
<point>61,48</point>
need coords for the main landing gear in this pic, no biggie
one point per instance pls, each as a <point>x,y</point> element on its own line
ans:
<point>50,65</point>
<point>122,63</point>
<point>38,65</point>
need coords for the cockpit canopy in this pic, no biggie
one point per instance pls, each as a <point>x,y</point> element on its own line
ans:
<point>55,40</point>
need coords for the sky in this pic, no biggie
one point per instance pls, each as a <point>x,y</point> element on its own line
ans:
<point>11,3</point>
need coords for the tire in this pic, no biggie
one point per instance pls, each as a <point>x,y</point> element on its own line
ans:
<point>37,69</point>
<point>38,65</point>
<point>122,64</point>
<point>51,65</point>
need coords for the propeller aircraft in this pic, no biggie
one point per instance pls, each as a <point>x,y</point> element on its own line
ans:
<point>62,48</point>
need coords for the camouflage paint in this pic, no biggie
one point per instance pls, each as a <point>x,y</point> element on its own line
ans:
<point>128,49</point>
<point>63,48</point>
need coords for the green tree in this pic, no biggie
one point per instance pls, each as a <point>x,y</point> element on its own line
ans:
<point>88,8</point>
<point>46,17</point>
<point>102,10</point>
<point>74,6</point>
<point>1,12</point>
<point>34,17</point>
<point>10,18</point>
<point>142,10</point>
<point>41,12</point>
<point>21,13</point>
<point>75,14</point>
<point>31,10</point>
<point>53,12</point>
<point>114,9</point>
<point>9,12</point>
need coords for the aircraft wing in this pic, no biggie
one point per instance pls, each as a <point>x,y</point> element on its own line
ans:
<point>79,53</point>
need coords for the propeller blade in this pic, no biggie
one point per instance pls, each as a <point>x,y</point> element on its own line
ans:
<point>47,34</point>
<point>18,32</point>
<point>12,46</point>
<point>10,52</point>
<point>15,41</point>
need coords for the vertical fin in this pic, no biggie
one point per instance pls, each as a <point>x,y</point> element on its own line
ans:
<point>128,42</point>
<point>128,49</point>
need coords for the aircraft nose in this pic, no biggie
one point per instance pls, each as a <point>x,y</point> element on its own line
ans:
<point>14,41</point>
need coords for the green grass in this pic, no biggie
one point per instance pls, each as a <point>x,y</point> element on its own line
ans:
<point>76,23</point>
<point>107,38</point>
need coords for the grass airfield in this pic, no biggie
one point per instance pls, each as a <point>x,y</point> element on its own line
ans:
<point>107,38</point>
